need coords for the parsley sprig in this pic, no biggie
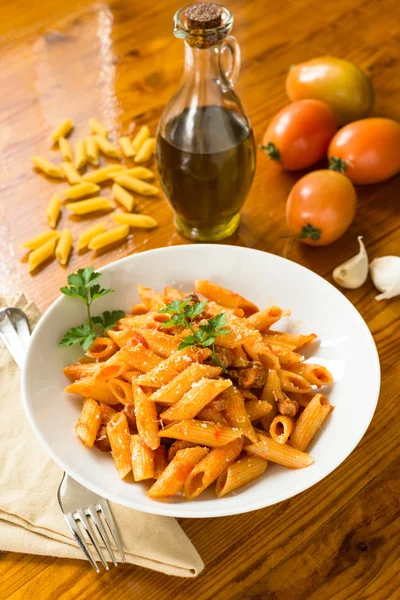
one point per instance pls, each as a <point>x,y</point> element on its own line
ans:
<point>82,285</point>
<point>183,312</point>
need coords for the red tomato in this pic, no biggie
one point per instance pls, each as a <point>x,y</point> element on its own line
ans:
<point>367,151</point>
<point>320,207</point>
<point>299,135</point>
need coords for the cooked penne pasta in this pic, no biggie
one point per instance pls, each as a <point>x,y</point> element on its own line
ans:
<point>65,149</point>
<point>210,413</point>
<point>160,460</point>
<point>115,234</point>
<point>182,383</point>
<point>173,365</point>
<point>106,147</point>
<point>104,174</point>
<point>269,393</point>
<point>257,409</point>
<point>239,334</point>
<point>151,320</point>
<point>285,355</point>
<point>132,357</point>
<point>92,150</point>
<point>142,459</point>
<point>191,403</point>
<point>302,400</point>
<point>89,422</point>
<point>122,390</point>
<point>93,388</point>
<point>146,417</point>
<point>47,167</point>
<point>201,432</point>
<point>296,340</point>
<point>53,210</point>
<point>161,343</point>
<point>85,207</point>
<point>178,445</point>
<point>153,300</point>
<point>64,246</point>
<point>291,382</point>
<point>146,151</point>
<point>87,235</point>
<point>37,241</point>
<point>123,336</point>
<point>224,297</point>
<point>80,371</point>
<point>282,454</point>
<point>107,412</point>
<point>71,174</point>
<point>63,129</point>
<point>102,348</point>
<point>140,137</point>
<point>212,465</point>
<point>240,473</point>
<point>139,309</point>
<point>123,197</point>
<point>126,147</point>
<point>130,375</point>
<point>81,158</point>
<point>263,319</point>
<point>141,173</point>
<point>310,421</point>
<point>173,477</point>
<point>136,185</point>
<point>281,428</point>
<point>120,442</point>
<point>140,221</point>
<point>41,254</point>
<point>80,190</point>
<point>314,374</point>
<point>236,413</point>
<point>97,128</point>
<point>257,350</point>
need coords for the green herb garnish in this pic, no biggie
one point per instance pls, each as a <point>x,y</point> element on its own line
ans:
<point>183,312</point>
<point>82,285</point>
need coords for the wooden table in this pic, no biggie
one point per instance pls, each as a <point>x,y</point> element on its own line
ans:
<point>120,62</point>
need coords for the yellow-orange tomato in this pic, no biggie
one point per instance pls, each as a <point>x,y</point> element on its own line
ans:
<point>320,207</point>
<point>367,151</point>
<point>299,135</point>
<point>339,83</point>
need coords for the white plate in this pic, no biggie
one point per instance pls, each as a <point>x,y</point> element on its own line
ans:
<point>346,348</point>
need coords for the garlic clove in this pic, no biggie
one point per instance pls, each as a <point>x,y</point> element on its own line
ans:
<point>385,275</point>
<point>354,272</point>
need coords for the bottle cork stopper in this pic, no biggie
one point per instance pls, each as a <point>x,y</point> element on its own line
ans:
<point>203,15</point>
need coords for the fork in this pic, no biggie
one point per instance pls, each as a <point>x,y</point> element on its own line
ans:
<point>78,504</point>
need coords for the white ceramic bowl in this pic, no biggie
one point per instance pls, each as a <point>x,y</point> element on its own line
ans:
<point>346,348</point>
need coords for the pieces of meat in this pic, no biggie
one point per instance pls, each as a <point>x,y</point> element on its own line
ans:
<point>285,405</point>
<point>253,376</point>
<point>102,442</point>
<point>225,356</point>
<point>129,410</point>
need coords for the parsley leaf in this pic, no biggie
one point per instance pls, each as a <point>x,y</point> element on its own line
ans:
<point>79,335</point>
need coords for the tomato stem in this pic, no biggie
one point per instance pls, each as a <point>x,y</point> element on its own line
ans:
<point>271,151</point>
<point>309,231</point>
<point>337,164</point>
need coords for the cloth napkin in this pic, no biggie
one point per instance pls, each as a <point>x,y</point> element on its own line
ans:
<point>30,517</point>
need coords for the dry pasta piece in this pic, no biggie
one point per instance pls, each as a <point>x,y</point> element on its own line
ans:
<point>126,147</point>
<point>64,246</point>
<point>146,151</point>
<point>47,167</point>
<point>140,137</point>
<point>136,185</point>
<point>88,206</point>
<point>240,473</point>
<point>120,442</point>
<point>170,367</point>
<point>71,174</point>
<point>269,393</point>
<point>212,465</point>
<point>182,383</point>
<point>53,210</point>
<point>160,460</point>
<point>263,319</point>
<point>123,197</point>
<point>153,300</point>
<point>97,128</point>
<point>281,428</point>
<point>296,340</point>
<point>87,235</point>
<point>257,409</point>
<point>140,221</point>
<point>80,371</point>
<point>92,150</point>
<point>81,157</point>
<point>314,374</point>
<point>224,297</point>
<point>40,239</point>
<point>106,413</point>
<point>102,348</point>
<point>65,149</point>
<point>161,343</point>
<point>104,174</point>
<point>41,254</point>
<point>201,432</point>
<point>199,395</point>
<point>93,388</point>
<point>106,147</point>
<point>132,357</point>
<point>80,190</point>
<point>89,422</point>
<point>236,413</point>
<point>141,173</point>
<point>291,382</point>
<point>63,129</point>
<point>310,421</point>
<point>146,417</point>
<point>282,454</point>
<point>173,477</point>
<point>142,459</point>
<point>122,390</point>
<point>111,236</point>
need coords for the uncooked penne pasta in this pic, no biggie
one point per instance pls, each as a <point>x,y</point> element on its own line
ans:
<point>236,413</point>
<point>140,173</point>
<point>224,297</point>
<point>40,239</point>
<point>123,197</point>
<point>140,221</point>
<point>199,395</point>
<point>97,128</point>
<point>106,147</point>
<point>146,151</point>
<point>80,190</point>
<point>161,343</point>
<point>53,210</point>
<point>281,428</point>
<point>81,158</point>
<point>80,371</point>
<point>102,348</point>
<point>263,319</point>
<point>65,149</point>
<point>182,383</point>
<point>132,357</point>
<point>142,459</point>
<point>140,137</point>
<point>126,147</point>
<point>41,254</point>
<point>110,236</point>
<point>282,454</point>
<point>120,442</point>
<point>47,167</point>
<point>153,300</point>
<point>89,422</point>
<point>160,460</point>
<point>173,477</point>
<point>172,366</point>
<point>291,382</point>
<point>136,185</point>
<point>122,390</point>
<point>104,174</point>
<point>240,473</point>
<point>212,465</point>
<point>64,246</point>
<point>201,432</point>
<point>310,421</point>
<point>87,235</point>
<point>63,129</point>
<point>92,150</point>
<point>314,374</point>
<point>146,417</point>
<point>92,388</point>
<point>257,409</point>
<point>88,206</point>
<point>70,173</point>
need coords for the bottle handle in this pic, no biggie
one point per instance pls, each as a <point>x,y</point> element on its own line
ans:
<point>231,45</point>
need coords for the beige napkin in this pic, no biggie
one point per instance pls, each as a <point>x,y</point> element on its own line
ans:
<point>30,518</point>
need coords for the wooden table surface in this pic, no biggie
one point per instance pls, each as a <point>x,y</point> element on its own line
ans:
<point>119,61</point>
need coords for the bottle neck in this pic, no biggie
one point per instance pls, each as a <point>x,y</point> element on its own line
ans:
<point>201,63</point>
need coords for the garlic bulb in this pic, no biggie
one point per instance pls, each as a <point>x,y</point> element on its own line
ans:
<point>385,274</point>
<point>354,272</point>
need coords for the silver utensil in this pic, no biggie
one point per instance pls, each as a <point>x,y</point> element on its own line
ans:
<point>78,504</point>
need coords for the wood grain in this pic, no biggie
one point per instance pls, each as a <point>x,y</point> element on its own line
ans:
<point>119,61</point>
